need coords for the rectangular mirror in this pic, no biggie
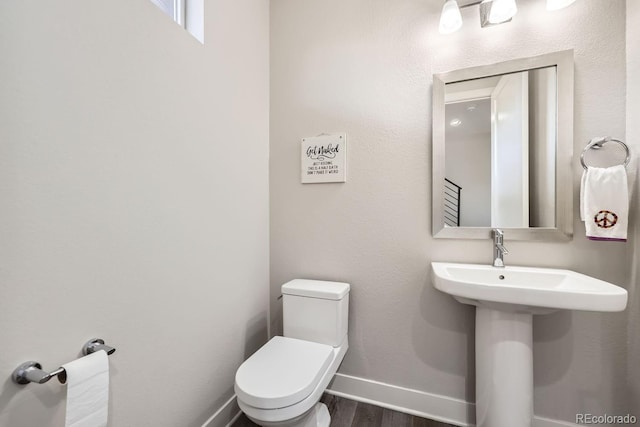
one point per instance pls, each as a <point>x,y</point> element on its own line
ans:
<point>502,149</point>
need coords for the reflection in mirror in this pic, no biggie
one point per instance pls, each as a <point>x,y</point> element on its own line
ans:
<point>503,149</point>
<point>500,145</point>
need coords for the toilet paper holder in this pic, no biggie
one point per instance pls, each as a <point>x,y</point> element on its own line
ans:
<point>31,372</point>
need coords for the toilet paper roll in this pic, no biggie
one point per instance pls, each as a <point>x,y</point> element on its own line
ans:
<point>88,390</point>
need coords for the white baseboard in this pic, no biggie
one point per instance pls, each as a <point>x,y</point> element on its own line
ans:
<point>415,402</point>
<point>233,420</point>
<point>226,415</point>
<point>436,407</point>
<point>401,399</point>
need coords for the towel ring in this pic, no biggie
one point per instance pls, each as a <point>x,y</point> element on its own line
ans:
<point>597,143</point>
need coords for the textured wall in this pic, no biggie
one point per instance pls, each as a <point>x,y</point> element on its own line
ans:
<point>633,139</point>
<point>134,202</point>
<point>364,67</point>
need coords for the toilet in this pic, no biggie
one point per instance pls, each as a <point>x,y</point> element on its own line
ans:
<point>281,384</point>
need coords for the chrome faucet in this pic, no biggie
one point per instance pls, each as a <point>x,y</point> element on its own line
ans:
<point>498,248</point>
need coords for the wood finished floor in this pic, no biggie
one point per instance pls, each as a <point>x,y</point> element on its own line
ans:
<point>349,413</point>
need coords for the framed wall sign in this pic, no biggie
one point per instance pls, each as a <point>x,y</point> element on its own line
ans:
<point>323,159</point>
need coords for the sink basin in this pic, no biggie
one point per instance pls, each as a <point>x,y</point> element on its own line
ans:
<point>527,288</point>
<point>506,300</point>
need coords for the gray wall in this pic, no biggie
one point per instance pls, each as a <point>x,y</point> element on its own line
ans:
<point>633,139</point>
<point>542,147</point>
<point>468,164</point>
<point>133,181</point>
<point>364,67</point>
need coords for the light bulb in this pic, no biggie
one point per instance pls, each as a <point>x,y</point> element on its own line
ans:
<point>450,19</point>
<point>502,10</point>
<point>558,4</point>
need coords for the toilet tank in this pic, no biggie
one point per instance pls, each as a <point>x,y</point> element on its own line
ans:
<point>316,310</point>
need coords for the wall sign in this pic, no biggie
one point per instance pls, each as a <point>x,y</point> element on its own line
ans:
<point>324,159</point>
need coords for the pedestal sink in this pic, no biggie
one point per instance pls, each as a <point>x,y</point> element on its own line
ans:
<point>506,300</point>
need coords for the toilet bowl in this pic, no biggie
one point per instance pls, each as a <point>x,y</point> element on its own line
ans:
<point>281,384</point>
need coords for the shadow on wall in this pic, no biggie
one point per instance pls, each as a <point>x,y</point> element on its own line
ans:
<point>255,336</point>
<point>633,303</point>
<point>46,397</point>
<point>276,318</point>
<point>633,356</point>
<point>450,325</point>
<point>552,346</point>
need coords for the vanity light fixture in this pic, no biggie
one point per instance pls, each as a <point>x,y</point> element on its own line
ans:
<point>502,11</point>
<point>492,12</point>
<point>450,18</point>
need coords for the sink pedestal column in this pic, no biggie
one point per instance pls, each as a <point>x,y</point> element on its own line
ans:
<point>504,368</point>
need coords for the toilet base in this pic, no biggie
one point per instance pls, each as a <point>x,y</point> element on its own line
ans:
<point>318,416</point>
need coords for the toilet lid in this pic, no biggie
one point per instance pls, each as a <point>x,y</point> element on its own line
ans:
<point>283,372</point>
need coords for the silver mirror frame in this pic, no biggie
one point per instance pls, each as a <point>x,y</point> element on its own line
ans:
<point>563,231</point>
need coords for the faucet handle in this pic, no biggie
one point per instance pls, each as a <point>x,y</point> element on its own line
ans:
<point>497,234</point>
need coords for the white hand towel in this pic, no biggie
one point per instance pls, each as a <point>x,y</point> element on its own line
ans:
<point>88,390</point>
<point>604,203</point>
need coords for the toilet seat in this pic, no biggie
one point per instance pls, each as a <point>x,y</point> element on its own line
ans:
<point>282,373</point>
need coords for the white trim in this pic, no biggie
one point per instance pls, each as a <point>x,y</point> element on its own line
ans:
<point>415,402</point>
<point>234,419</point>
<point>468,95</point>
<point>226,415</point>
<point>179,12</point>
<point>194,18</point>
